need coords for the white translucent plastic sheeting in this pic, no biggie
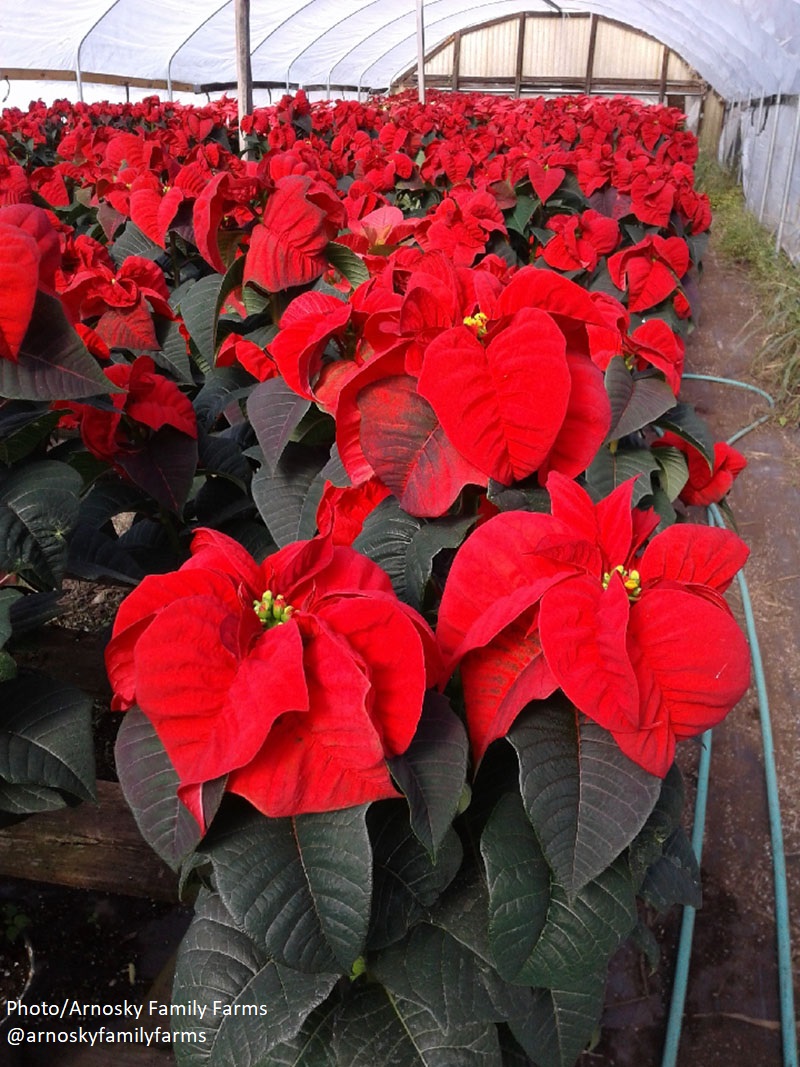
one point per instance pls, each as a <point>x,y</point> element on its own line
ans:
<point>740,47</point>
<point>761,139</point>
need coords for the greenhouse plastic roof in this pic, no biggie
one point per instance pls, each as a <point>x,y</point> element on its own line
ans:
<point>741,47</point>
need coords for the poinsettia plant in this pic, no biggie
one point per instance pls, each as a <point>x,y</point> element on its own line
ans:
<point>382,427</point>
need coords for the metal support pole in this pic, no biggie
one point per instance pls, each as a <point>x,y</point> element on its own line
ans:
<point>789,172</point>
<point>421,51</point>
<point>770,154</point>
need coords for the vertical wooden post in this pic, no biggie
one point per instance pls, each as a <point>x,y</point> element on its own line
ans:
<point>587,85</point>
<point>456,59</point>
<point>662,84</point>
<point>244,74</point>
<point>520,54</point>
<point>421,51</point>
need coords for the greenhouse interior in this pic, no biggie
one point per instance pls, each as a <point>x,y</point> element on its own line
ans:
<point>300,304</point>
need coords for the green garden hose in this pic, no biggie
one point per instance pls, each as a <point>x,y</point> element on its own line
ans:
<point>786,992</point>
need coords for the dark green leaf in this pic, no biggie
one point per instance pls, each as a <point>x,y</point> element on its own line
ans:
<point>164,467</point>
<point>173,356</point>
<point>151,546</point>
<point>674,878</point>
<point>561,1022</point>
<point>385,538</point>
<point>635,402</point>
<point>539,936</point>
<point>251,1003</point>
<point>23,800</point>
<point>334,470</point>
<point>28,435</point>
<point>46,736</point>
<point>432,771</point>
<point>199,310</point>
<point>7,598</point>
<point>8,666</point>
<point>433,970</point>
<point>316,428</point>
<point>274,410</point>
<point>312,1046</point>
<point>106,499</point>
<point>526,495</point>
<point>150,786</point>
<point>132,242</point>
<point>660,503</point>
<point>53,362</point>
<point>663,821</point>
<point>674,472</point>
<point>512,1052</point>
<point>221,453</point>
<point>519,886</point>
<point>375,1028</point>
<point>519,218</point>
<point>425,545</point>
<point>346,261</point>
<point>95,554</point>
<point>407,879</point>
<point>698,243</point>
<point>287,498</point>
<point>644,942</point>
<point>34,610</point>
<point>38,510</point>
<point>600,282</point>
<point>611,468</point>
<point>230,283</point>
<point>222,386</point>
<point>686,423</point>
<point>585,799</point>
<point>300,886</point>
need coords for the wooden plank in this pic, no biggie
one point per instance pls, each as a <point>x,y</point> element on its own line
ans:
<point>28,74</point>
<point>92,846</point>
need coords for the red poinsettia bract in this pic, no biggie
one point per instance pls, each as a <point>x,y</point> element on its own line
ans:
<point>641,642</point>
<point>706,485</point>
<point>287,247</point>
<point>29,258</point>
<point>297,677</point>
<point>146,401</point>
<point>650,271</point>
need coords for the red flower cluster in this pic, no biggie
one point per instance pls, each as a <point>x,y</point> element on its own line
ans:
<point>641,642</point>
<point>530,397</point>
<point>145,401</point>
<point>706,484</point>
<point>297,678</point>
